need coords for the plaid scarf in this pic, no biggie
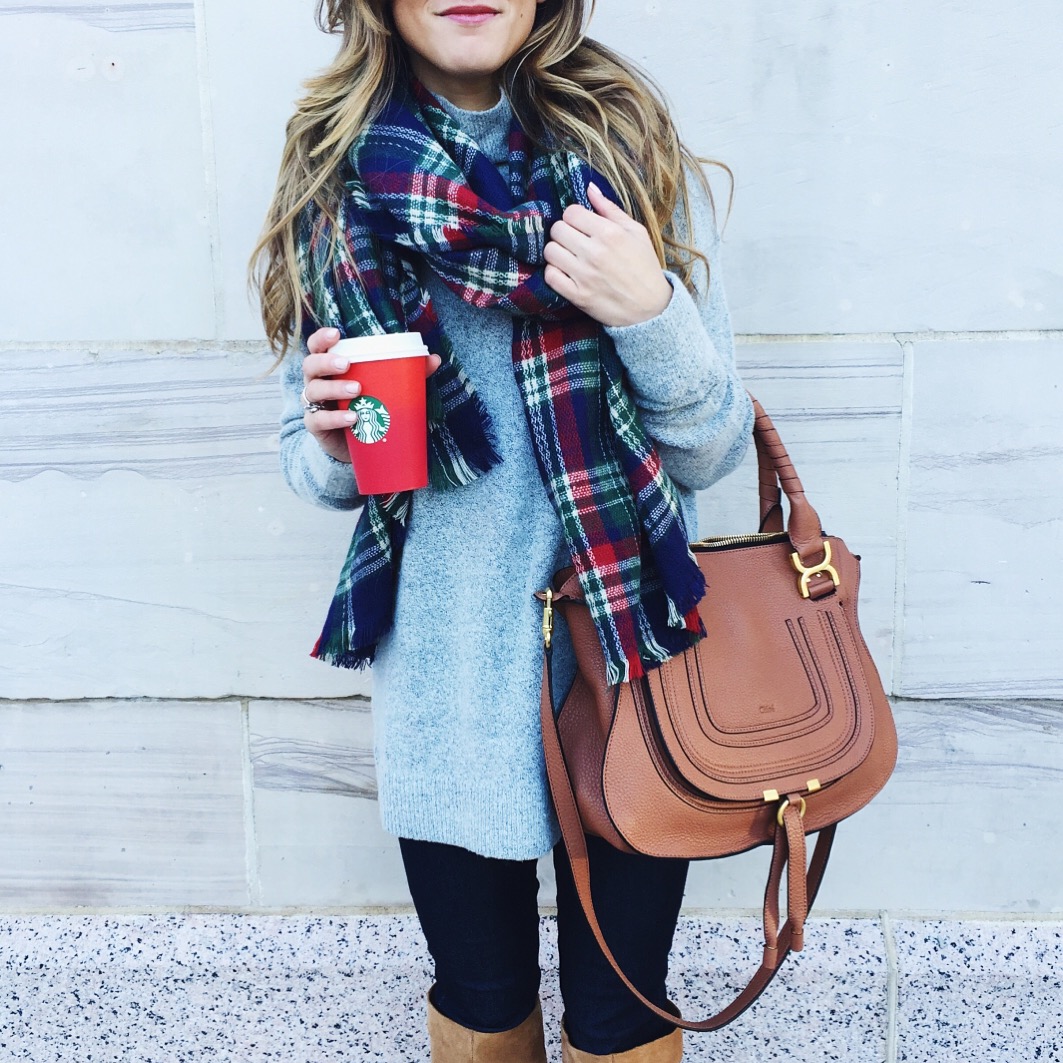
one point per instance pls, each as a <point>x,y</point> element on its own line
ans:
<point>420,192</point>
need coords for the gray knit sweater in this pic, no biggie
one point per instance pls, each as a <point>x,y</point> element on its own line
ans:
<point>456,682</point>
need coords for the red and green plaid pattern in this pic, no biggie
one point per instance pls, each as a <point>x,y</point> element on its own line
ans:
<point>420,191</point>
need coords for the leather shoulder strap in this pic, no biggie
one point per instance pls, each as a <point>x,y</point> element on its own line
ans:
<point>789,850</point>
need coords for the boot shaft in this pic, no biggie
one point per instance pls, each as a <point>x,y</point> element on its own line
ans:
<point>667,1049</point>
<point>454,1043</point>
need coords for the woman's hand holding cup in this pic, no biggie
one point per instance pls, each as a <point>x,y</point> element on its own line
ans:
<point>325,386</point>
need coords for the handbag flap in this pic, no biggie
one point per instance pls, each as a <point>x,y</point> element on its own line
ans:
<point>774,698</point>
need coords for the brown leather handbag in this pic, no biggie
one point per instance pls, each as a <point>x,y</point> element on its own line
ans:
<point>772,727</point>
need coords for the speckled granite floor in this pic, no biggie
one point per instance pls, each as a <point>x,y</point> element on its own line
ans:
<point>250,988</point>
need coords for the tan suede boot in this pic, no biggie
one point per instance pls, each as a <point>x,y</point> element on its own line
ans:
<point>667,1049</point>
<point>453,1043</point>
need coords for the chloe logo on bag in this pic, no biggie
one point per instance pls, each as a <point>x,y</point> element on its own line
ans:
<point>765,709</point>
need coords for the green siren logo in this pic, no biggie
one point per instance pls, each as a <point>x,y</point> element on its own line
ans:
<point>373,419</point>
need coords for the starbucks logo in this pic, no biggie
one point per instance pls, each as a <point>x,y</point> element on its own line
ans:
<point>373,419</point>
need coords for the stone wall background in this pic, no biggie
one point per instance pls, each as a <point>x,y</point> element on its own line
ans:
<point>896,276</point>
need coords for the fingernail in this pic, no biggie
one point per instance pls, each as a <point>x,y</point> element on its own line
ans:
<point>340,363</point>
<point>350,417</point>
<point>353,387</point>
<point>595,187</point>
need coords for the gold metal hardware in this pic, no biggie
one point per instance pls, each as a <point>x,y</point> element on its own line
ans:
<point>713,542</point>
<point>785,805</point>
<point>807,573</point>
<point>813,785</point>
<point>771,796</point>
<point>548,619</point>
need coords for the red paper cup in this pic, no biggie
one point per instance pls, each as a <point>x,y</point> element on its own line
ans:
<point>389,441</point>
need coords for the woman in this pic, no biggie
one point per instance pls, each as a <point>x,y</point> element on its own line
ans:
<point>484,174</point>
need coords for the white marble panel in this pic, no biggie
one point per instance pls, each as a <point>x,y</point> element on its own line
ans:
<point>151,545</point>
<point>103,156</point>
<point>962,824</point>
<point>959,827</point>
<point>112,804</point>
<point>317,823</point>
<point>256,67</point>
<point>837,406</point>
<point>896,164</point>
<point>973,796</point>
<point>983,612</point>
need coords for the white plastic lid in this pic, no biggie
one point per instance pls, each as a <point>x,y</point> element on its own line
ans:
<point>380,348</point>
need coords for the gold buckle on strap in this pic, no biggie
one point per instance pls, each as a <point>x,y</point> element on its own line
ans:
<point>824,567</point>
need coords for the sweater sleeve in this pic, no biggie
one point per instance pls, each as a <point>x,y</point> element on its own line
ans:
<point>681,365</point>
<point>310,472</point>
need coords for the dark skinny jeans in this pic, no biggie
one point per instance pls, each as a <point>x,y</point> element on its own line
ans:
<point>481,921</point>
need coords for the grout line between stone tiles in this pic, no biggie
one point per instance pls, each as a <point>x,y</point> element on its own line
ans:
<point>220,699</point>
<point>904,461</point>
<point>891,988</point>
<point>206,113</point>
<point>253,345</point>
<point>144,345</point>
<point>254,885</point>
<point>904,336</point>
<point>1054,920</point>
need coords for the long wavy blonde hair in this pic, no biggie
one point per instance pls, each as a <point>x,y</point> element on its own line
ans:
<point>564,87</point>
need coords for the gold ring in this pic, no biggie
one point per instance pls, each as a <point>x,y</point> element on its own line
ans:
<point>785,805</point>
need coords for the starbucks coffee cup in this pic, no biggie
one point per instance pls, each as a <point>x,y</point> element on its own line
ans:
<point>389,441</point>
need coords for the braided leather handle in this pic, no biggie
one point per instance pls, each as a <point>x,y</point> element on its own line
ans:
<point>776,471</point>
<point>770,492</point>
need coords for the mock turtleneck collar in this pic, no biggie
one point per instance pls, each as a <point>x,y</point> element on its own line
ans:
<point>490,128</point>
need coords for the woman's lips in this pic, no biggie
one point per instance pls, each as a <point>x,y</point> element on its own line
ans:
<point>470,14</point>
